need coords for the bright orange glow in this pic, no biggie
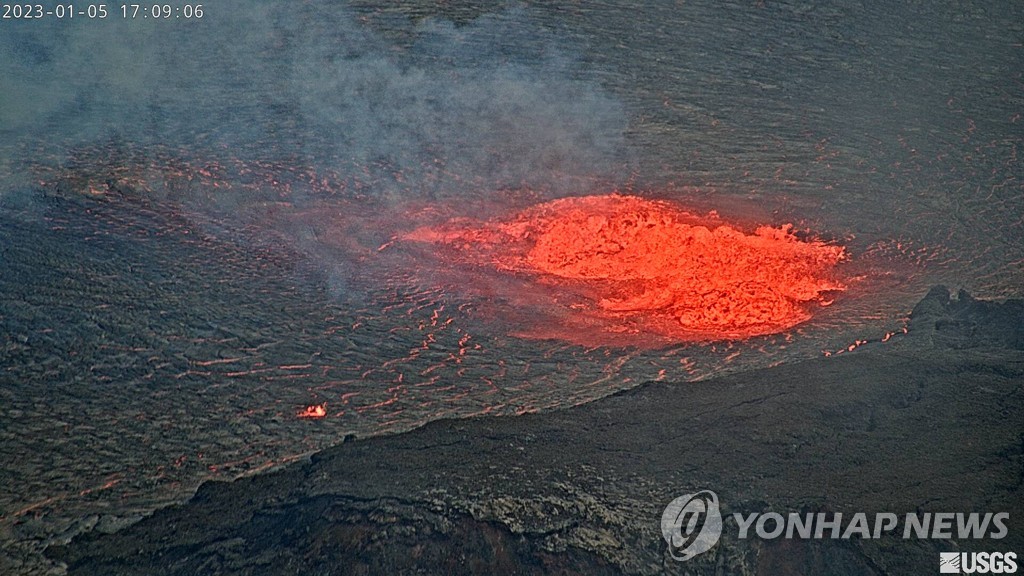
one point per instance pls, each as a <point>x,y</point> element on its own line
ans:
<point>627,258</point>
<point>315,411</point>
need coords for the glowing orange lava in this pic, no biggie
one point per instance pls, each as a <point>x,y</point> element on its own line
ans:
<point>643,261</point>
<point>315,411</point>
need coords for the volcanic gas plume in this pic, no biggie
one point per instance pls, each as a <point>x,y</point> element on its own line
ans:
<point>633,265</point>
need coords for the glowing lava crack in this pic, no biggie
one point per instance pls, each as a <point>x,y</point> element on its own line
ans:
<point>626,258</point>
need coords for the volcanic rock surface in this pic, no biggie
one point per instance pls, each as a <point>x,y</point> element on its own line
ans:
<point>928,423</point>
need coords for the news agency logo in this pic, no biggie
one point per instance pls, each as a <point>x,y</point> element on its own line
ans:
<point>691,524</point>
<point>977,563</point>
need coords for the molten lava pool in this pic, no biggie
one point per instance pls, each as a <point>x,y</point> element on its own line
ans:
<point>615,264</point>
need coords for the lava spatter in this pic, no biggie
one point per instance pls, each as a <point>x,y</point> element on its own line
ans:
<point>632,261</point>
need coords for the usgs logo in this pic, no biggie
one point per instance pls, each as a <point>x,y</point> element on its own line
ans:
<point>977,563</point>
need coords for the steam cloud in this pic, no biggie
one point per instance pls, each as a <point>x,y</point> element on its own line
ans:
<point>433,108</point>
